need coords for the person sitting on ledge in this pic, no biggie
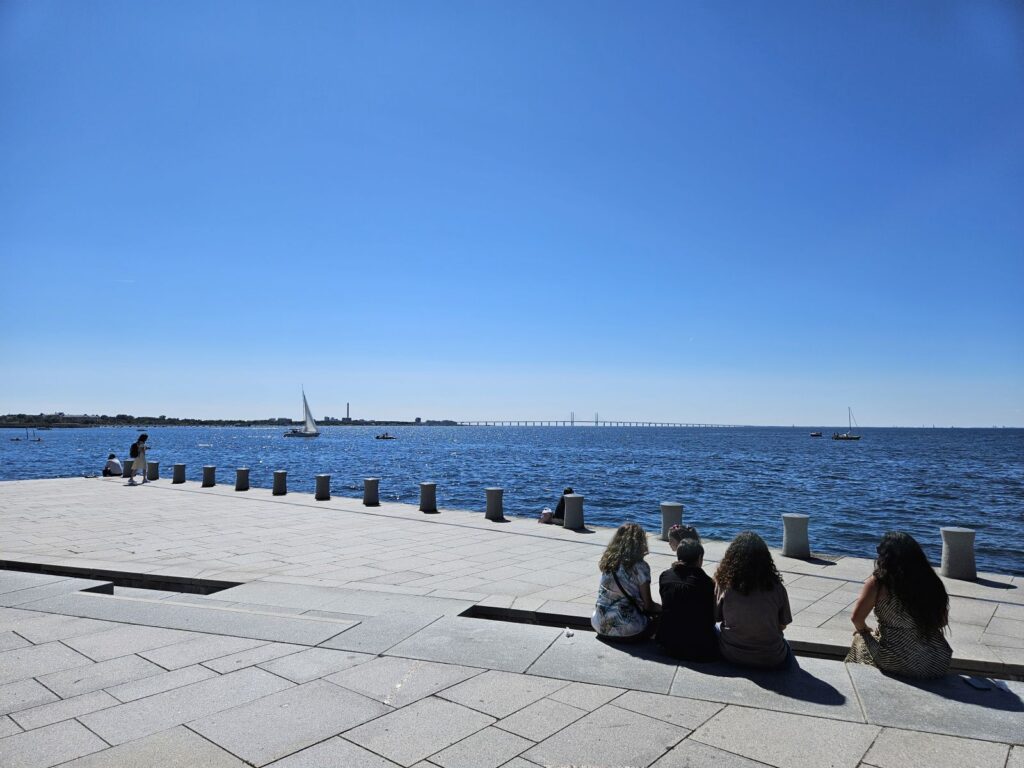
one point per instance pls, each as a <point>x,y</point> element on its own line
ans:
<point>912,608</point>
<point>559,517</point>
<point>679,532</point>
<point>625,611</point>
<point>686,628</point>
<point>752,605</point>
<point>113,467</point>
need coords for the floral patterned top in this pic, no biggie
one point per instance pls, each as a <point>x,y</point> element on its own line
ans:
<point>615,614</point>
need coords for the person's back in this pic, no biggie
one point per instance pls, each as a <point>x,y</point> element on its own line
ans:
<point>113,467</point>
<point>687,626</point>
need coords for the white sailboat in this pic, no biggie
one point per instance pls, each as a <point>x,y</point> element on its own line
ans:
<point>309,428</point>
<point>848,434</point>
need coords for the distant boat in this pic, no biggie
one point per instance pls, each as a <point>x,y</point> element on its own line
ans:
<point>815,434</point>
<point>848,434</point>
<point>309,428</point>
<point>386,436</point>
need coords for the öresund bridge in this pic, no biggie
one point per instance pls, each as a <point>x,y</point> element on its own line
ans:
<point>595,422</point>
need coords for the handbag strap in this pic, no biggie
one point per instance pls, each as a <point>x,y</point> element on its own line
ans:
<point>628,596</point>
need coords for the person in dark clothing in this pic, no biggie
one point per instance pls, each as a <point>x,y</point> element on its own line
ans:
<point>559,517</point>
<point>687,628</point>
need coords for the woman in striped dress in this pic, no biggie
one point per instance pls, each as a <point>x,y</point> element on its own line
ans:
<point>912,608</point>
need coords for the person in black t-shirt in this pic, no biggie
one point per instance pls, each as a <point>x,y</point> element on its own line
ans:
<point>687,628</point>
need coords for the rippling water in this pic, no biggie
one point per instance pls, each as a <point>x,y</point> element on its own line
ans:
<point>729,479</point>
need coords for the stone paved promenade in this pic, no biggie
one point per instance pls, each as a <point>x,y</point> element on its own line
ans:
<point>344,645</point>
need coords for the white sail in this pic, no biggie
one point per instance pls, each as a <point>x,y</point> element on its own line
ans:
<point>310,423</point>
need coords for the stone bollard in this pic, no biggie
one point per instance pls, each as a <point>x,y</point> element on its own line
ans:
<point>242,479</point>
<point>371,495</point>
<point>152,470</point>
<point>428,498</point>
<point>958,553</point>
<point>794,535</point>
<point>179,474</point>
<point>573,512</point>
<point>126,467</point>
<point>280,482</point>
<point>209,476</point>
<point>323,488</point>
<point>671,514</point>
<point>495,507</point>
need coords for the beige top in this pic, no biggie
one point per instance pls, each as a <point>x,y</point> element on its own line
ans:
<point>752,626</point>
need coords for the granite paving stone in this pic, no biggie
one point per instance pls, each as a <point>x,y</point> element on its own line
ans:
<point>377,634</point>
<point>540,719</point>
<point>164,681</point>
<point>54,627</point>
<point>48,746</point>
<point>24,694</point>
<point>12,581</point>
<point>181,705</point>
<point>897,748</point>
<point>314,663</point>
<point>1016,759</point>
<point>334,753</point>
<point>8,727</point>
<point>47,714</point>
<point>28,597</point>
<point>105,674</point>
<point>126,639</point>
<point>174,748</point>
<point>586,696</point>
<point>414,732</point>
<point>584,658</point>
<point>23,663</point>
<point>786,740</point>
<point>11,640</point>
<point>198,649</point>
<point>686,713</point>
<point>398,682</point>
<point>277,725</point>
<point>946,705</point>
<point>499,694</point>
<point>597,740</point>
<point>693,754</point>
<point>487,748</point>
<point>253,656</point>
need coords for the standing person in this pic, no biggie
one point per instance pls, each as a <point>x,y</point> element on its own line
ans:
<point>686,628</point>
<point>752,605</point>
<point>138,453</point>
<point>559,517</point>
<point>113,467</point>
<point>625,610</point>
<point>912,608</point>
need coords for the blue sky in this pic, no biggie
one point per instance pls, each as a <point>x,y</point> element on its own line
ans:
<point>746,212</point>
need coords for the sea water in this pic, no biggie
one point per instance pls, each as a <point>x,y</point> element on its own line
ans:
<point>729,479</point>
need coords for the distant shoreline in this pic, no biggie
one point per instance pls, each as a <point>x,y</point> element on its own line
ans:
<point>7,422</point>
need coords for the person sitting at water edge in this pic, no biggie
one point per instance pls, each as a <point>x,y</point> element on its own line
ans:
<point>686,627</point>
<point>625,611</point>
<point>752,605</point>
<point>912,608</point>
<point>113,467</point>
<point>559,517</point>
<point>679,532</point>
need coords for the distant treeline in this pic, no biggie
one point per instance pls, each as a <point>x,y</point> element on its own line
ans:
<point>62,420</point>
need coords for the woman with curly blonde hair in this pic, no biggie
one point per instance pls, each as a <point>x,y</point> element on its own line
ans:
<point>625,610</point>
<point>752,604</point>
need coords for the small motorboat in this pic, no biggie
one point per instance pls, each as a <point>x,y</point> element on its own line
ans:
<point>386,436</point>
<point>815,434</point>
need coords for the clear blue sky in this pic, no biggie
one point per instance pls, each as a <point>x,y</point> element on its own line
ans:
<point>745,212</point>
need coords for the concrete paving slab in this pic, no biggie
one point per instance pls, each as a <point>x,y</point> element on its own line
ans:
<point>1016,759</point>
<point>278,725</point>
<point>165,681</point>
<point>314,663</point>
<point>253,656</point>
<point>11,640</point>
<point>8,727</point>
<point>786,740</point>
<point>487,748</point>
<point>73,682</point>
<point>586,696</point>
<point>686,713</point>
<point>499,694</point>
<point>175,748</point>
<point>334,753</point>
<point>584,658</point>
<point>48,746</point>
<point>47,714</point>
<point>125,639</point>
<point>541,719</point>
<point>947,705</point>
<point>479,643</point>
<point>48,627</point>
<point>377,634</point>
<point>12,581</point>
<point>181,705</point>
<point>24,694</point>
<point>693,754</point>
<point>597,739</point>
<point>32,594</point>
<point>418,730</point>
<point>23,663</point>
<point>896,748</point>
<point>198,649</point>
<point>399,682</point>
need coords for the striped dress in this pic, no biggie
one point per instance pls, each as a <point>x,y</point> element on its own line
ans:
<point>897,646</point>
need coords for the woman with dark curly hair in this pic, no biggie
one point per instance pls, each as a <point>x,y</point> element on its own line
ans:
<point>752,604</point>
<point>912,608</point>
<point>625,610</point>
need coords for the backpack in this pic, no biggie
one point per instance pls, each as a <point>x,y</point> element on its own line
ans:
<point>134,451</point>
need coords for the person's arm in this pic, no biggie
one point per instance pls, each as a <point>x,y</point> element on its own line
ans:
<point>785,613</point>
<point>864,605</point>
<point>649,605</point>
